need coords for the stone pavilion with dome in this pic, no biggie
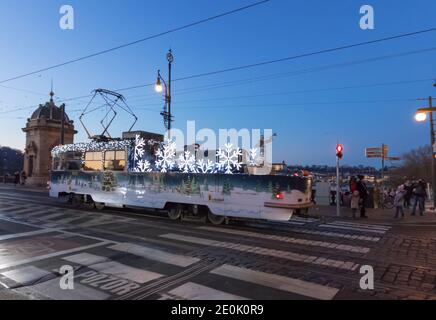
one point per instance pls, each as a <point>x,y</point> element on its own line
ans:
<point>43,132</point>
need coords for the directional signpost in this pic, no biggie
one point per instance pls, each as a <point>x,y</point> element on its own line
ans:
<point>380,153</point>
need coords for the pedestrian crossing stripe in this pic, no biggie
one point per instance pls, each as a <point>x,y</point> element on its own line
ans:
<point>155,254</point>
<point>52,290</point>
<point>10,264</point>
<point>108,266</point>
<point>288,255</point>
<point>361,225</point>
<point>292,240</point>
<point>297,286</point>
<point>26,275</point>
<point>303,219</point>
<point>23,234</point>
<point>194,291</point>
<point>334,226</point>
<point>49,214</point>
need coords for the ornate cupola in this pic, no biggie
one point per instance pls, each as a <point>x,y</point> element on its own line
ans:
<point>43,132</point>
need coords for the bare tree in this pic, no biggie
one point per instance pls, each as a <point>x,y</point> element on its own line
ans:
<point>416,164</point>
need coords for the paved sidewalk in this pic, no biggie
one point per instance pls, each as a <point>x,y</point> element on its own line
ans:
<point>11,186</point>
<point>381,216</point>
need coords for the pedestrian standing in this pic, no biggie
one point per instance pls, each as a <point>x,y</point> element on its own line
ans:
<point>23,178</point>
<point>399,201</point>
<point>376,195</point>
<point>16,178</point>
<point>408,187</point>
<point>363,193</point>
<point>419,195</point>
<point>355,199</point>
<point>353,184</point>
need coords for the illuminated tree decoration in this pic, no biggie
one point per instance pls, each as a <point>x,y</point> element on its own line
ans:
<point>229,158</point>
<point>109,182</point>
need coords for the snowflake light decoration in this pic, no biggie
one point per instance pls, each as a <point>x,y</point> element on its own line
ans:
<point>186,162</point>
<point>165,156</point>
<point>143,166</point>
<point>254,159</point>
<point>229,158</point>
<point>139,147</point>
<point>206,166</point>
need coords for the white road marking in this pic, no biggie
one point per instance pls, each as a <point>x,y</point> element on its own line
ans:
<point>85,259</point>
<point>51,255</point>
<point>33,213</point>
<point>300,287</point>
<point>296,223</point>
<point>26,275</point>
<point>194,291</point>
<point>25,212</point>
<point>351,228</point>
<point>361,225</point>
<point>117,269</point>
<point>337,235</point>
<point>53,216</point>
<point>60,230</point>
<point>23,234</point>
<point>346,265</point>
<point>101,220</point>
<point>304,219</point>
<point>299,241</point>
<point>15,209</point>
<point>51,289</point>
<point>156,255</point>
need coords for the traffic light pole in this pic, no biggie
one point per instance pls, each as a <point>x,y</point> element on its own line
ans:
<point>338,193</point>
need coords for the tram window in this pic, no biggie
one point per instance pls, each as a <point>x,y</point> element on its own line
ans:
<point>68,161</point>
<point>57,164</point>
<point>115,160</point>
<point>93,161</point>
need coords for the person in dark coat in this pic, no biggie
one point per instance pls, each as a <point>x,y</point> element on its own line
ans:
<point>419,194</point>
<point>23,178</point>
<point>408,187</point>
<point>363,193</point>
<point>16,178</point>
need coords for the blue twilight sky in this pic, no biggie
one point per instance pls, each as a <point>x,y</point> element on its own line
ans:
<point>310,111</point>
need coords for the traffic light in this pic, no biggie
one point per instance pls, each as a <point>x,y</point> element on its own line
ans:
<point>339,151</point>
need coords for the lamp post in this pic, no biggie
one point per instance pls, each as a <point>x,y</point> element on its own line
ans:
<point>421,116</point>
<point>166,87</point>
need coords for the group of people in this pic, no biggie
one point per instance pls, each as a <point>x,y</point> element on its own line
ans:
<point>404,195</point>
<point>20,178</point>
<point>359,196</point>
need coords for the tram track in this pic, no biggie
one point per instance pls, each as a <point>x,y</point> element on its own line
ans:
<point>342,278</point>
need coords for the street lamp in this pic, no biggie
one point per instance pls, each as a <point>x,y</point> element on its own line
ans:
<point>421,115</point>
<point>166,88</point>
<point>158,86</point>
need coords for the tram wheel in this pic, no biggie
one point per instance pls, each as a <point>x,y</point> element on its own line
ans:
<point>76,200</point>
<point>175,213</point>
<point>214,219</point>
<point>99,205</point>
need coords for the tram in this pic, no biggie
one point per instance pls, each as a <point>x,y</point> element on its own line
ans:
<point>143,171</point>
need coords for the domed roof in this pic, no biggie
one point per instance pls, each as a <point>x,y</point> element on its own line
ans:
<point>49,111</point>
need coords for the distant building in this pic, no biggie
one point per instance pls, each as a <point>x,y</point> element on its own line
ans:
<point>11,161</point>
<point>43,133</point>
